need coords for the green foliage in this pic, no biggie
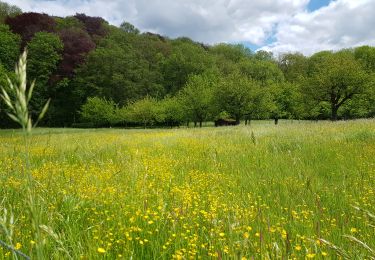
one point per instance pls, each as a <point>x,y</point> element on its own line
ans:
<point>286,101</point>
<point>143,112</point>
<point>3,76</point>
<point>361,105</point>
<point>124,74</point>
<point>228,56</point>
<point>234,94</point>
<point>99,111</point>
<point>44,54</point>
<point>9,47</point>
<point>7,10</point>
<point>234,53</point>
<point>185,60</point>
<point>4,118</point>
<point>197,97</point>
<point>366,55</point>
<point>264,56</point>
<point>17,96</point>
<point>129,28</point>
<point>223,115</point>
<point>84,56</point>
<point>294,66</point>
<point>335,78</point>
<point>264,71</point>
<point>170,111</point>
<point>68,23</point>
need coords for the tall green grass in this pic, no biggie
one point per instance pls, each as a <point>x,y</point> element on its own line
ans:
<point>16,96</point>
<point>296,190</point>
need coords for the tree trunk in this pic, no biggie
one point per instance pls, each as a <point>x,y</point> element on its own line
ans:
<point>200,123</point>
<point>238,120</point>
<point>276,120</point>
<point>195,124</point>
<point>334,112</point>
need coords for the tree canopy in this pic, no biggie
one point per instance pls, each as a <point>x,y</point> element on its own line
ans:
<point>335,78</point>
<point>101,75</point>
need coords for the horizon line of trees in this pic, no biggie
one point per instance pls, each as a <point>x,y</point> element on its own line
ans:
<point>97,75</point>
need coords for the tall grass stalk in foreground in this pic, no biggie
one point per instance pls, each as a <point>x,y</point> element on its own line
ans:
<point>17,97</point>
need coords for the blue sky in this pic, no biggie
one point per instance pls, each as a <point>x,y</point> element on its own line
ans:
<point>273,25</point>
<point>317,4</point>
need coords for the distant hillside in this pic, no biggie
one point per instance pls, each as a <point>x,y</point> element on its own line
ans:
<point>79,57</point>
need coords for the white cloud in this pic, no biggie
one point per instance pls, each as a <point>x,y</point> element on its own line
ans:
<point>209,21</point>
<point>215,21</point>
<point>344,23</point>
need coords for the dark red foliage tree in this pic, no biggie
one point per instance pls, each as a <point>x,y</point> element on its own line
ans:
<point>77,44</point>
<point>27,24</point>
<point>94,25</point>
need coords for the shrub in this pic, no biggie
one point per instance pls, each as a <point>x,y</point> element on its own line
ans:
<point>99,112</point>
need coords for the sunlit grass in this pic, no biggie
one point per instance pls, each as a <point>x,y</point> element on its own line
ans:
<point>262,191</point>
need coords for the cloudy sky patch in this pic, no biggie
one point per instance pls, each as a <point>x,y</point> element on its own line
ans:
<point>280,26</point>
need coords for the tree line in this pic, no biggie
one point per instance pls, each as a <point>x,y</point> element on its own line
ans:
<point>97,74</point>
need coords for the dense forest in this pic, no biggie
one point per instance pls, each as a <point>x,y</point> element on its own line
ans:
<point>97,75</point>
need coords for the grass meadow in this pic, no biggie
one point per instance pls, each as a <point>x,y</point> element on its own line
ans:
<point>297,190</point>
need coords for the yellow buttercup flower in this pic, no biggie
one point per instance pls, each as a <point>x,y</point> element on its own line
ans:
<point>101,250</point>
<point>18,246</point>
<point>353,230</point>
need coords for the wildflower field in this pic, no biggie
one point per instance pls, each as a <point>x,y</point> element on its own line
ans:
<point>293,191</point>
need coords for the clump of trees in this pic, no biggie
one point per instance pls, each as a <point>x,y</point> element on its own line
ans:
<point>101,75</point>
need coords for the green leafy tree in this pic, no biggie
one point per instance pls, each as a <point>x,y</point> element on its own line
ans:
<point>129,28</point>
<point>99,112</point>
<point>361,105</point>
<point>264,56</point>
<point>264,71</point>
<point>7,10</point>
<point>154,51</point>
<point>366,56</point>
<point>9,47</point>
<point>197,97</point>
<point>124,74</point>
<point>44,55</point>
<point>294,66</point>
<point>335,78</point>
<point>186,59</point>
<point>143,112</point>
<point>5,121</point>
<point>3,76</point>
<point>227,57</point>
<point>234,95</point>
<point>68,22</point>
<point>285,101</point>
<point>170,111</point>
<point>260,103</point>
<point>232,52</point>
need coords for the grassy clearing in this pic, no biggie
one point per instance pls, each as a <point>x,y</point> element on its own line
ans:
<point>265,191</point>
